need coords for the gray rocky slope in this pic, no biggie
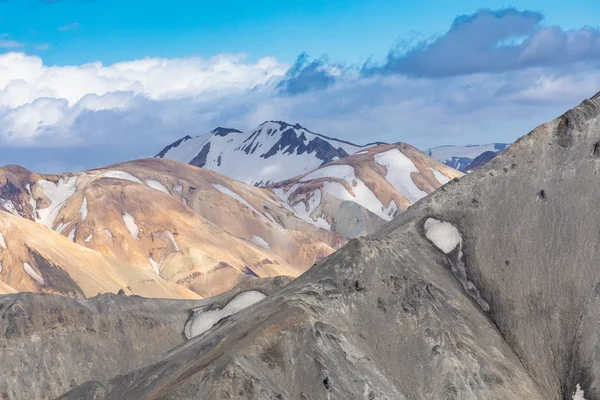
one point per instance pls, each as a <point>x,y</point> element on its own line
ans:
<point>509,310</point>
<point>50,344</point>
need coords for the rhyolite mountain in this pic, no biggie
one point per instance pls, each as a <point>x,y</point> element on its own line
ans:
<point>355,195</point>
<point>466,158</point>
<point>489,288</point>
<point>183,230</point>
<point>272,152</point>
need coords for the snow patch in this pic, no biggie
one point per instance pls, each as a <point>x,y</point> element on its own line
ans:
<point>108,233</point>
<point>131,226</point>
<point>345,172</point>
<point>120,175</point>
<point>71,235</point>
<point>9,206</point>
<point>172,238</point>
<point>447,238</point>
<point>89,237</point>
<point>399,167</point>
<point>178,188</point>
<point>257,240</point>
<point>154,184</point>
<point>31,272</point>
<point>83,209</point>
<point>441,178</point>
<point>231,193</point>
<point>578,393</point>
<point>304,210</point>
<point>202,321</point>
<point>154,265</point>
<point>444,235</point>
<point>58,193</point>
<point>2,241</point>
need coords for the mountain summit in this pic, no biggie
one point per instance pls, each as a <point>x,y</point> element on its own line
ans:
<point>272,152</point>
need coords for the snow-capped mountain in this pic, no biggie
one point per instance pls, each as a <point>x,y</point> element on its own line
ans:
<point>272,152</point>
<point>461,157</point>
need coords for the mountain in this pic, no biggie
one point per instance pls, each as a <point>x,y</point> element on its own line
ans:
<point>194,228</point>
<point>461,157</point>
<point>273,152</point>
<point>33,258</point>
<point>486,289</point>
<point>105,335</point>
<point>205,232</point>
<point>356,194</point>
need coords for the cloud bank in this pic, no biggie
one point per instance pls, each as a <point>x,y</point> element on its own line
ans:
<point>491,77</point>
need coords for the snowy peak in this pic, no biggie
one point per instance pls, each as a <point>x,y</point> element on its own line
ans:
<point>220,131</point>
<point>274,151</point>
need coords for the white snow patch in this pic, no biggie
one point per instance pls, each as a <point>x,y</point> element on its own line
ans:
<point>131,226</point>
<point>10,207</point>
<point>202,321</point>
<point>31,272</point>
<point>154,265</point>
<point>399,167</point>
<point>58,193</point>
<point>120,175</point>
<point>83,209</point>
<point>304,210</point>
<point>154,184</point>
<point>231,193</point>
<point>2,241</point>
<point>345,172</point>
<point>0,266</point>
<point>89,237</point>
<point>441,178</point>
<point>173,241</point>
<point>178,188</point>
<point>578,394</point>
<point>257,240</point>
<point>71,235</point>
<point>108,233</point>
<point>443,234</point>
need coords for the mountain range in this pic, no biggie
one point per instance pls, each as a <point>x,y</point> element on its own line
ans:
<point>162,228</point>
<point>487,288</point>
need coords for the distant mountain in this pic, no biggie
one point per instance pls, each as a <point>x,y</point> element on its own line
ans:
<point>272,152</point>
<point>355,195</point>
<point>461,157</point>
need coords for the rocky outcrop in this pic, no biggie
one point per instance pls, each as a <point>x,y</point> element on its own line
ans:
<point>50,344</point>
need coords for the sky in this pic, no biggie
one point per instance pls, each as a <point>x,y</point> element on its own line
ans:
<point>86,83</point>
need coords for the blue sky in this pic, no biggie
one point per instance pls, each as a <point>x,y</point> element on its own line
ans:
<point>84,83</point>
<point>80,31</point>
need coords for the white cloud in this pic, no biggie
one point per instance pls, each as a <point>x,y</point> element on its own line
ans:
<point>140,106</point>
